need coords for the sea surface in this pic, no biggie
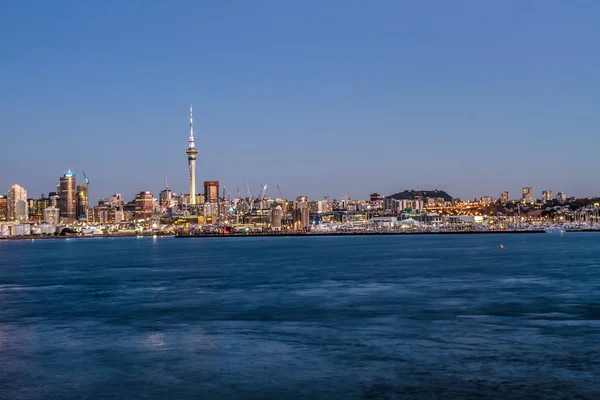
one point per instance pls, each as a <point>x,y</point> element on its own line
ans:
<point>390,317</point>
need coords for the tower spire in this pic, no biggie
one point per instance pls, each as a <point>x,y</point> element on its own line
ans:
<point>192,144</point>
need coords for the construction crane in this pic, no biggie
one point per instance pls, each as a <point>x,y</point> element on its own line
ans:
<point>263,192</point>
<point>87,181</point>
<point>249,195</point>
<point>279,189</point>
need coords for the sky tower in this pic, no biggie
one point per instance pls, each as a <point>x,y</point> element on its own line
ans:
<point>191,153</point>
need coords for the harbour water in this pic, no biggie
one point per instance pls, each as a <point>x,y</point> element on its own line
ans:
<point>391,317</point>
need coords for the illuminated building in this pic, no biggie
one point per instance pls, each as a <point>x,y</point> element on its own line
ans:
<point>144,205</point>
<point>191,153</point>
<point>301,214</point>
<point>504,198</point>
<point>67,196</point>
<point>486,200</point>
<point>3,208</point>
<point>83,204</point>
<point>51,215</point>
<point>16,194</point>
<point>527,195</point>
<point>546,196</point>
<point>561,197</point>
<point>36,208</point>
<point>22,214</point>
<point>276,217</point>
<point>211,191</point>
<point>375,197</point>
<point>165,198</point>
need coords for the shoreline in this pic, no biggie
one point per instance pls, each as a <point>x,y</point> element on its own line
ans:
<point>309,234</point>
<point>40,237</point>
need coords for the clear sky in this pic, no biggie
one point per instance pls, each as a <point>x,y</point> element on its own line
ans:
<point>323,97</point>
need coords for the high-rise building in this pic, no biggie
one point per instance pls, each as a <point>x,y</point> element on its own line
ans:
<point>561,197</point>
<point>51,215</point>
<point>504,198</point>
<point>527,195</point>
<point>22,212</point>
<point>144,205</point>
<point>3,208</point>
<point>83,203</point>
<point>301,213</point>
<point>191,153</point>
<point>165,198</point>
<point>67,196</point>
<point>15,194</point>
<point>546,196</point>
<point>211,191</point>
<point>276,217</point>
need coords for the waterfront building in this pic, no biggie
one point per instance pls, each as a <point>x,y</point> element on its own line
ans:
<point>83,204</point>
<point>15,194</point>
<point>143,206</point>
<point>527,195</point>
<point>504,198</point>
<point>301,213</point>
<point>3,208</point>
<point>191,153</point>
<point>51,215</point>
<point>546,196</point>
<point>21,212</point>
<point>211,191</point>
<point>561,197</point>
<point>276,218</point>
<point>67,196</point>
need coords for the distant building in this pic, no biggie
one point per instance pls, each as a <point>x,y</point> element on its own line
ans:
<point>301,213</point>
<point>15,194</point>
<point>546,196</point>
<point>67,196</point>
<point>211,191</point>
<point>83,204</point>
<point>3,208</point>
<point>375,197</point>
<point>527,195</point>
<point>22,213</point>
<point>51,215</point>
<point>165,198</point>
<point>504,198</point>
<point>144,205</point>
<point>276,217</point>
<point>486,200</point>
<point>561,197</point>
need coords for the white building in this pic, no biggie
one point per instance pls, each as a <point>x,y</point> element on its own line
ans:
<point>528,196</point>
<point>15,194</point>
<point>51,215</point>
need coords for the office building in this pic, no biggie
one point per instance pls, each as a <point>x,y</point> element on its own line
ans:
<point>527,195</point>
<point>22,212</point>
<point>51,215</point>
<point>83,204</point>
<point>67,197</point>
<point>546,196</point>
<point>211,191</point>
<point>3,208</point>
<point>561,197</point>
<point>165,198</point>
<point>504,198</point>
<point>15,194</point>
<point>191,153</point>
<point>144,205</point>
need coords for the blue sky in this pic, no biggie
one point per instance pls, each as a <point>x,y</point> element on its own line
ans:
<point>322,97</point>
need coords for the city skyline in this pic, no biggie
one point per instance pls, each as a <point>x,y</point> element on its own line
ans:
<point>322,99</point>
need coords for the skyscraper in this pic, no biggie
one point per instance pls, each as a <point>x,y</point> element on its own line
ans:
<point>15,194</point>
<point>211,191</point>
<point>67,196</point>
<point>3,208</point>
<point>83,203</point>
<point>191,153</point>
